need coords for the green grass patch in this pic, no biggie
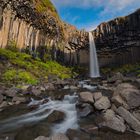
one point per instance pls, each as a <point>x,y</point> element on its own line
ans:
<point>22,66</point>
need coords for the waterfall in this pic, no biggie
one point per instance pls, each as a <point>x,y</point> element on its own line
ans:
<point>94,66</point>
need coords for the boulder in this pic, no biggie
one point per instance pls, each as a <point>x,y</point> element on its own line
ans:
<point>59,136</point>
<point>115,77</point>
<point>97,95</point>
<point>126,95</point>
<point>1,98</point>
<point>42,138</point>
<point>132,97</point>
<point>136,113</point>
<point>90,129</point>
<point>102,104</point>
<point>77,135</point>
<point>3,104</point>
<point>123,86</point>
<point>19,100</point>
<point>86,97</point>
<point>11,92</point>
<point>113,122</point>
<point>118,101</point>
<point>56,116</point>
<point>129,118</point>
<point>84,109</point>
<point>36,91</point>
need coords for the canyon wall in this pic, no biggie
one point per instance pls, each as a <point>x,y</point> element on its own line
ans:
<point>27,25</point>
<point>118,41</point>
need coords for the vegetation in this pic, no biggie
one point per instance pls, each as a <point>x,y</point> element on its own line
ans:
<point>125,69</point>
<point>23,68</point>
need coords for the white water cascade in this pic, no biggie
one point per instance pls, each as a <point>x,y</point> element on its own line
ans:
<point>94,66</point>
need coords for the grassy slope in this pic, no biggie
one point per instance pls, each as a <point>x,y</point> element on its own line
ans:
<point>18,68</point>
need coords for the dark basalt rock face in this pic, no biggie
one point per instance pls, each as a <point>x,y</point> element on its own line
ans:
<point>118,40</point>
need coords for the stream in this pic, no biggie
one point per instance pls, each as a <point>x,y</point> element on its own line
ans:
<point>31,123</point>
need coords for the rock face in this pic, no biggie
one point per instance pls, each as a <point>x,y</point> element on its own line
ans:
<point>118,40</point>
<point>35,27</point>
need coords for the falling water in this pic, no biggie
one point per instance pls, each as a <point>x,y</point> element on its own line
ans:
<point>94,66</point>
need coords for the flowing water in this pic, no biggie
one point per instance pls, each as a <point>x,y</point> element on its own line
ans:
<point>42,112</point>
<point>94,66</point>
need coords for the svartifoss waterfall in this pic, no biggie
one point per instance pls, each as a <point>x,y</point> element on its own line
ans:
<point>94,66</point>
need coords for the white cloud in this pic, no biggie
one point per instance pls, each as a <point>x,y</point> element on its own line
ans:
<point>107,5</point>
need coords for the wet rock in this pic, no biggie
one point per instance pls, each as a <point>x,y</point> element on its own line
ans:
<point>97,95</point>
<point>84,109</point>
<point>77,135</point>
<point>56,116</point>
<point>1,98</point>
<point>102,104</point>
<point>86,97</point>
<point>129,118</point>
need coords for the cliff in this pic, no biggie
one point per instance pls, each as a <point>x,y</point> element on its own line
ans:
<point>118,41</point>
<point>36,26</point>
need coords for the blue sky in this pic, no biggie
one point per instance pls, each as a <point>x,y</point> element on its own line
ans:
<point>87,14</point>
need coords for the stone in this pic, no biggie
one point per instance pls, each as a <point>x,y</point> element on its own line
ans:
<point>77,135</point>
<point>11,92</point>
<point>84,109</point>
<point>115,77</point>
<point>102,104</point>
<point>90,129</point>
<point>3,104</point>
<point>86,97</point>
<point>36,91</point>
<point>59,136</point>
<point>42,138</point>
<point>56,116</point>
<point>132,97</point>
<point>115,124</point>
<point>49,86</point>
<point>19,99</point>
<point>136,113</point>
<point>1,98</point>
<point>126,95</point>
<point>118,101</point>
<point>123,86</point>
<point>97,95</point>
<point>129,118</point>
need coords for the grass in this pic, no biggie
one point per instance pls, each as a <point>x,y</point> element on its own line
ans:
<point>125,69</point>
<point>22,68</point>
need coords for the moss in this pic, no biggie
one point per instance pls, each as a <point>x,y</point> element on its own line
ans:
<point>23,65</point>
<point>12,46</point>
<point>19,77</point>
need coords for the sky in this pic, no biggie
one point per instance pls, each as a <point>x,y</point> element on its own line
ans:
<point>87,14</point>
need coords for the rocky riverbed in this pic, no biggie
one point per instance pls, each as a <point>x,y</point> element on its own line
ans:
<point>72,110</point>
